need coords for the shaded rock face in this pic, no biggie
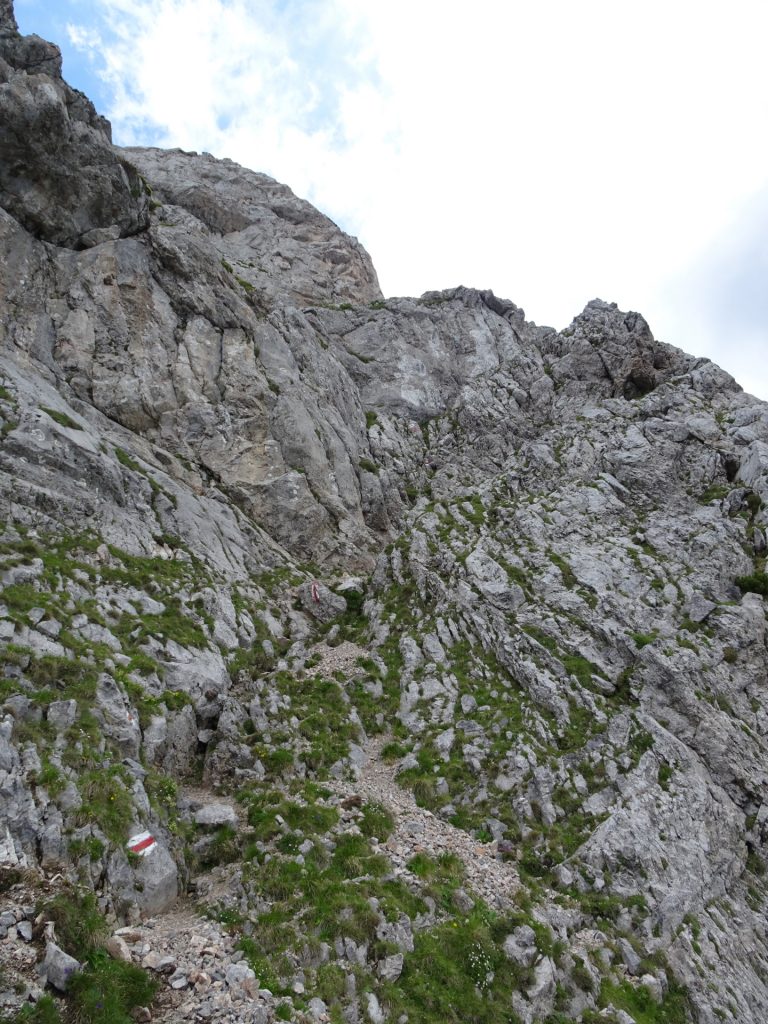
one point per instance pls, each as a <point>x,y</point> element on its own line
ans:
<point>8,23</point>
<point>210,418</point>
<point>60,176</point>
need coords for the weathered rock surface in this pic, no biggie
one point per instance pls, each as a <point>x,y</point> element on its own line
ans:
<point>253,514</point>
<point>48,131</point>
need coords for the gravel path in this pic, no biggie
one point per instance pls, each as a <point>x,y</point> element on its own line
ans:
<point>418,830</point>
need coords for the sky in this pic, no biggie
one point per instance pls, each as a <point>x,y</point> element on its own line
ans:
<point>553,151</point>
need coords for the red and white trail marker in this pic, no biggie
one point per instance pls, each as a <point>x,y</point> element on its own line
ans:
<point>143,843</point>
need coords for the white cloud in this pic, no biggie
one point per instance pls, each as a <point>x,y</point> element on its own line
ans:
<point>84,38</point>
<point>552,151</point>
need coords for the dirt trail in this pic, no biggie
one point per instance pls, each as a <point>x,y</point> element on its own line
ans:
<point>419,830</point>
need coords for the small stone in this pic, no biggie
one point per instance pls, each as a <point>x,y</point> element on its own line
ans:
<point>118,949</point>
<point>654,987</point>
<point>317,1008</point>
<point>155,961</point>
<point>240,978</point>
<point>58,967</point>
<point>631,960</point>
<point>520,947</point>
<point>24,930</point>
<point>51,627</point>
<point>699,608</point>
<point>61,714</point>
<point>374,1010</point>
<point>391,967</point>
<point>214,815</point>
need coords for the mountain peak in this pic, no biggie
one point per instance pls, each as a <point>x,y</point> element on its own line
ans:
<point>421,648</point>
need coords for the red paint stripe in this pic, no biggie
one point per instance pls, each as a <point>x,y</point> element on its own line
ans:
<point>138,847</point>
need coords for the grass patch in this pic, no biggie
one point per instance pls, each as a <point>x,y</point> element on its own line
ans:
<point>637,1001</point>
<point>61,418</point>
<point>756,583</point>
<point>457,973</point>
<point>643,639</point>
<point>108,990</point>
<point>377,821</point>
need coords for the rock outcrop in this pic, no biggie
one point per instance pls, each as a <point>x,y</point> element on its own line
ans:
<point>60,176</point>
<point>274,549</point>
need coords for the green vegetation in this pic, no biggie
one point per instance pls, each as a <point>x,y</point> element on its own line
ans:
<point>715,492</point>
<point>106,800</point>
<point>757,583</point>
<point>106,990</point>
<point>61,418</point>
<point>643,639</point>
<point>323,733</point>
<point>637,1001</point>
<point>125,460</point>
<point>458,973</point>
<point>377,821</point>
<point>80,926</point>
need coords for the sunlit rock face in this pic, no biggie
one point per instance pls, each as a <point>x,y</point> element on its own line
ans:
<point>264,529</point>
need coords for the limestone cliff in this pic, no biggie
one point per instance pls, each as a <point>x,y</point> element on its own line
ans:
<point>277,551</point>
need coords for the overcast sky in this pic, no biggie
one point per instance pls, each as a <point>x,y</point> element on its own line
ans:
<point>552,150</point>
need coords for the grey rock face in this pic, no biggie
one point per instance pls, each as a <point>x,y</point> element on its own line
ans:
<point>320,602</point>
<point>276,242</point>
<point>152,885</point>
<point>199,400</point>
<point>46,130</point>
<point>7,17</point>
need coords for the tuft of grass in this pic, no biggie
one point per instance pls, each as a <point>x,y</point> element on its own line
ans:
<point>108,990</point>
<point>107,801</point>
<point>377,821</point>
<point>756,583</point>
<point>393,751</point>
<point>126,460</point>
<point>80,926</point>
<point>715,492</point>
<point>637,1001</point>
<point>44,1011</point>
<point>61,418</point>
<point>643,639</point>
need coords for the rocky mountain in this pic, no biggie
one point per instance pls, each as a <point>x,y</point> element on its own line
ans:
<point>427,644</point>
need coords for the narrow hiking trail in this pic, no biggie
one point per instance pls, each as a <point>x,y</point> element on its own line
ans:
<point>418,830</point>
<point>205,977</point>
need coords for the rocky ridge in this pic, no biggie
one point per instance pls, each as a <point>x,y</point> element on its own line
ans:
<point>429,644</point>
